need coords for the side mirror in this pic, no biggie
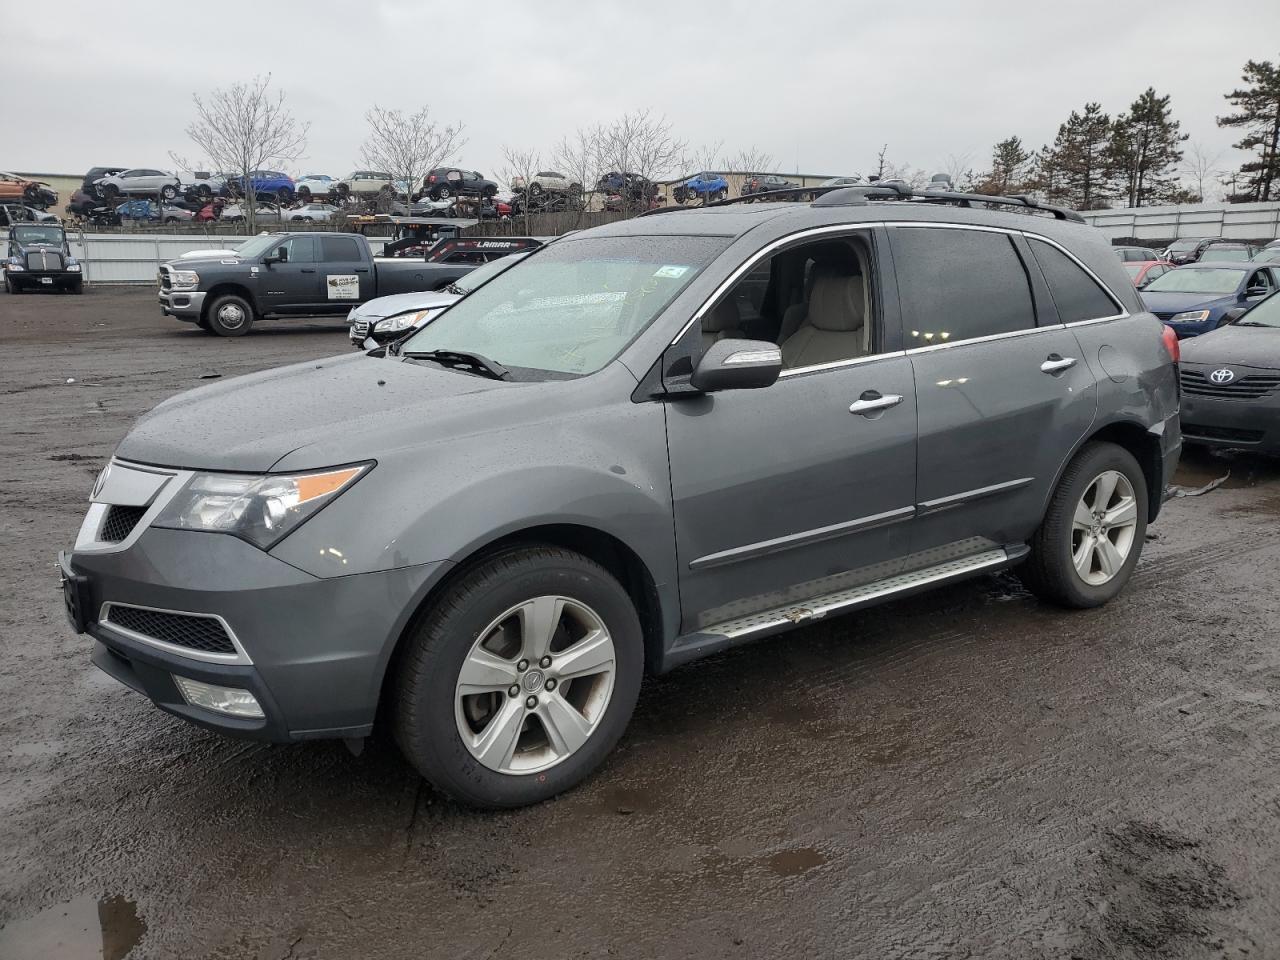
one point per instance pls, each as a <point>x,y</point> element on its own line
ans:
<point>1231,316</point>
<point>737,365</point>
<point>279,255</point>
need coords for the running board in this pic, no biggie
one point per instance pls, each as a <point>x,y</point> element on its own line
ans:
<point>718,635</point>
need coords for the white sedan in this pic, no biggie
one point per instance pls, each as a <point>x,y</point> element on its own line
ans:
<point>546,181</point>
<point>308,212</point>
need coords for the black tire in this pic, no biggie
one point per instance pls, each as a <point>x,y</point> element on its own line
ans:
<point>284,195</point>
<point>1049,572</point>
<point>304,194</point>
<point>110,191</point>
<point>488,193</point>
<point>168,192</point>
<point>226,305</point>
<point>442,193</point>
<point>11,287</point>
<point>426,726</point>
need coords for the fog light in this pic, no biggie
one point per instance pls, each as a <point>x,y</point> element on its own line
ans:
<point>229,700</point>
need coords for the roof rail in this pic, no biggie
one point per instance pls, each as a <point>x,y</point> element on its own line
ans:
<point>861,193</point>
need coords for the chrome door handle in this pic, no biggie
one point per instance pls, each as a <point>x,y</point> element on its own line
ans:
<point>1056,364</point>
<point>871,404</point>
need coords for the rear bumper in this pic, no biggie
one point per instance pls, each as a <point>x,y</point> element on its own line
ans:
<point>183,305</point>
<point>314,649</point>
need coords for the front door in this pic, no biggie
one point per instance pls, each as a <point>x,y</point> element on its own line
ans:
<point>1001,400</point>
<point>785,494</point>
<point>292,286</point>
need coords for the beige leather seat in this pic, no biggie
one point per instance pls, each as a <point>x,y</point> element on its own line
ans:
<point>834,323</point>
<point>720,323</point>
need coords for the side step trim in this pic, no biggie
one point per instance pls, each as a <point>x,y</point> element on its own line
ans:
<point>769,621</point>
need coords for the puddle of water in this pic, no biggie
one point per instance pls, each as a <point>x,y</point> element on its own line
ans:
<point>86,928</point>
<point>792,863</point>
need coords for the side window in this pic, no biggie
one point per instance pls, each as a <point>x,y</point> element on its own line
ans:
<point>338,249</point>
<point>813,300</point>
<point>301,249</point>
<point>959,285</point>
<point>1075,293</point>
<point>465,256</point>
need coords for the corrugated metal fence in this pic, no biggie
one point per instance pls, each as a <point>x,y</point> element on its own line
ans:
<point>136,258</point>
<point>1233,221</point>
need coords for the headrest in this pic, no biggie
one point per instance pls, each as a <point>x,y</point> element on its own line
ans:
<point>724,316</point>
<point>836,303</point>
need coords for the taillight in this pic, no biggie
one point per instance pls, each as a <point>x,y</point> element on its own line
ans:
<point>431,178</point>
<point>1171,342</point>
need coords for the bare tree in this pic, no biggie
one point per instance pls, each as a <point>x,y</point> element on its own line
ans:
<point>959,167</point>
<point>408,147</point>
<point>1200,163</point>
<point>521,165</point>
<point>578,157</point>
<point>245,127</point>
<point>749,162</point>
<point>642,144</point>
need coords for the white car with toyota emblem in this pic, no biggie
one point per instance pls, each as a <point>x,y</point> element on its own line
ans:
<point>289,274</point>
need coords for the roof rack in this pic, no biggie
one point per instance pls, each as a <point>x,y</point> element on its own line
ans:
<point>848,196</point>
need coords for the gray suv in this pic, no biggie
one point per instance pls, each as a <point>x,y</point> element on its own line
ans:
<point>643,444</point>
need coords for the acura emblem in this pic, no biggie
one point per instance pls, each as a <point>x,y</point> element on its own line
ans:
<point>1222,376</point>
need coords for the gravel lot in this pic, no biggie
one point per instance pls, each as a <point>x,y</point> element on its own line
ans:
<point>964,774</point>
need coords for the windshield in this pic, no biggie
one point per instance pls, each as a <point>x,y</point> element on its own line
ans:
<point>50,235</point>
<point>1265,314</point>
<point>259,244</point>
<point>487,272</point>
<point>1191,280</point>
<point>1224,253</point>
<point>574,306</point>
<point>1182,246</point>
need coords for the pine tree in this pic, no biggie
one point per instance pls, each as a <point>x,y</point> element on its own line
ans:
<point>1144,151</point>
<point>1010,171</point>
<point>1076,170</point>
<point>1259,116</point>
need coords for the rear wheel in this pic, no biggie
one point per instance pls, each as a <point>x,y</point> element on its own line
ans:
<point>304,194</point>
<point>230,316</point>
<point>520,679</point>
<point>1093,532</point>
<point>168,192</point>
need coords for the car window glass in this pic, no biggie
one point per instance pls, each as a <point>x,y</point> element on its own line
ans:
<point>301,249</point>
<point>959,284</point>
<point>1075,293</point>
<point>339,248</point>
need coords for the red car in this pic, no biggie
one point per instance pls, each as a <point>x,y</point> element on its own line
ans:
<point>1144,271</point>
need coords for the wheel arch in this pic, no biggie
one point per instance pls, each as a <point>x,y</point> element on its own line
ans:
<point>1139,440</point>
<point>606,549</point>
<point>222,289</point>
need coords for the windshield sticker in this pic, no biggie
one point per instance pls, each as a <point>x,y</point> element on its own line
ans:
<point>671,272</point>
<point>343,286</point>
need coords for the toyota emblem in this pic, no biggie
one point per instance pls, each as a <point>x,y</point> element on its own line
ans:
<point>1222,376</point>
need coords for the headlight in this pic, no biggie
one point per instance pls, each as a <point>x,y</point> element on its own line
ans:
<point>14,263</point>
<point>184,279</point>
<point>260,509</point>
<point>1191,315</point>
<point>399,322</point>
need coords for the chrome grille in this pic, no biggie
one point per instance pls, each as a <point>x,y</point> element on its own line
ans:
<point>120,522</point>
<point>1253,387</point>
<point>44,260</point>
<point>190,630</point>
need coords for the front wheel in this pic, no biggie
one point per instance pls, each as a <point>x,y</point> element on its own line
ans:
<point>168,191</point>
<point>11,287</point>
<point>521,678</point>
<point>230,316</point>
<point>1093,532</point>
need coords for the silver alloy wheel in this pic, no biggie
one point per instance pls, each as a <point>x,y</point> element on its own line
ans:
<point>535,685</point>
<point>1103,528</point>
<point>231,316</point>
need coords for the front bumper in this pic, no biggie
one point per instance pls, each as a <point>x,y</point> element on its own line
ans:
<point>1232,423</point>
<point>314,649</point>
<point>45,278</point>
<point>185,305</point>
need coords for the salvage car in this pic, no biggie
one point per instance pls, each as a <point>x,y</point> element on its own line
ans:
<point>445,182</point>
<point>314,186</point>
<point>38,256</point>
<point>148,211</point>
<point>11,213</point>
<point>1144,271</point>
<point>18,189</point>
<point>1231,382</point>
<point>766,183</point>
<point>1194,299</point>
<point>140,181</point>
<point>615,458</point>
<point>289,274</point>
<point>308,212</point>
<point>363,184</point>
<point>385,319</point>
<point>1226,252</point>
<point>702,186</point>
<point>545,181</point>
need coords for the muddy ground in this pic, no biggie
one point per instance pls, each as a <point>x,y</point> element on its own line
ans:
<point>965,774</point>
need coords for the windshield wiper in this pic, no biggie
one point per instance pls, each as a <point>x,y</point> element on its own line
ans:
<point>1249,323</point>
<point>462,358</point>
<point>456,290</point>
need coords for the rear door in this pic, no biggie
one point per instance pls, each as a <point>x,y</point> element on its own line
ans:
<point>1001,398</point>
<point>346,273</point>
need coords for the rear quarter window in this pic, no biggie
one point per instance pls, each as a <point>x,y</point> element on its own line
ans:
<point>1076,294</point>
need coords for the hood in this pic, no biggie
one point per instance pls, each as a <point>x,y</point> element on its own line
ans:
<point>324,412</point>
<point>191,255</point>
<point>1246,346</point>
<point>403,303</point>
<point>1159,301</point>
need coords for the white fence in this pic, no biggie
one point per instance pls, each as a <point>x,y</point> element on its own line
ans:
<point>136,258</point>
<point>1232,221</point>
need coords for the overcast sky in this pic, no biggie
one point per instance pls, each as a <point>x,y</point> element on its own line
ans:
<point>820,86</point>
